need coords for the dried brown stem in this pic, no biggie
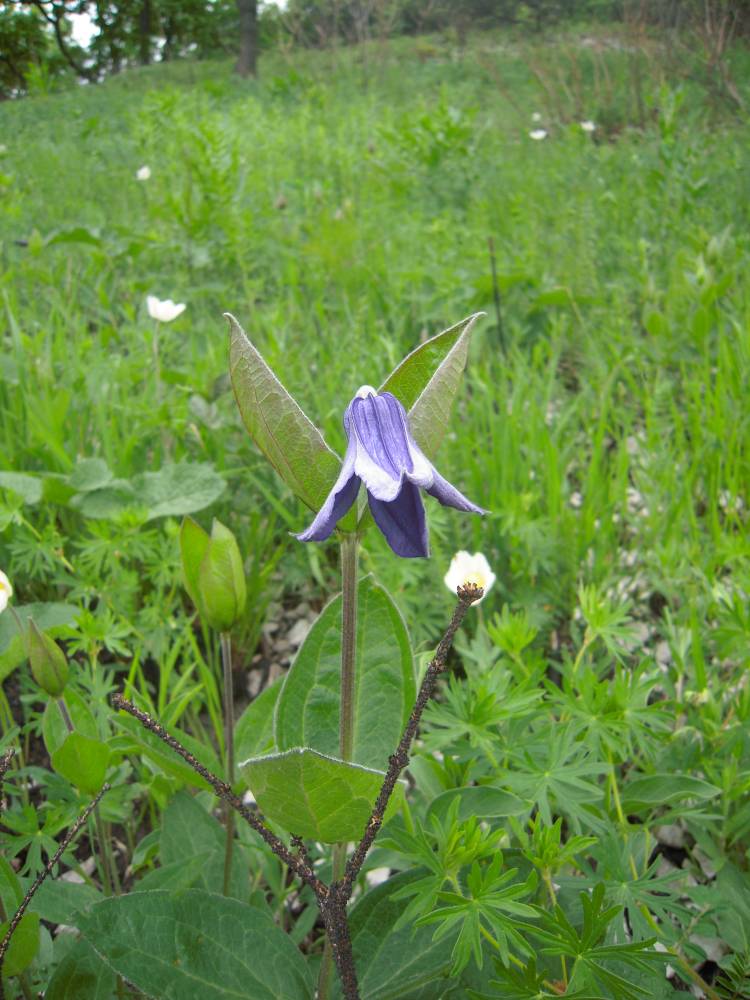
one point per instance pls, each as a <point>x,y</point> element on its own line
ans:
<point>15,920</point>
<point>398,761</point>
<point>298,865</point>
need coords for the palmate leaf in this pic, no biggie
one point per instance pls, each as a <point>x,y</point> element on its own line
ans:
<point>559,769</point>
<point>490,905</point>
<point>558,936</point>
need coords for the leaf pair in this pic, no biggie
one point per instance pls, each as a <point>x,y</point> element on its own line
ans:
<point>426,383</point>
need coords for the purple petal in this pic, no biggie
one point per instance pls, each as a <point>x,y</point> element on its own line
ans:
<point>378,424</point>
<point>337,503</point>
<point>449,496</point>
<point>403,522</point>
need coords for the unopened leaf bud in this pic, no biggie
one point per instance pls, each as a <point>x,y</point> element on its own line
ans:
<point>222,580</point>
<point>49,667</point>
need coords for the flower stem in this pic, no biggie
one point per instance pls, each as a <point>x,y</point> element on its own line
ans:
<point>349,560</point>
<point>226,663</point>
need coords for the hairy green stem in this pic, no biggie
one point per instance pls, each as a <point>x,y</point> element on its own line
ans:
<point>349,560</point>
<point>349,563</point>
<point>226,663</point>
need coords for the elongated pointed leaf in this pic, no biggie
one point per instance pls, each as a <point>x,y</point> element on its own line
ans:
<point>314,796</point>
<point>195,945</point>
<point>427,380</point>
<point>384,691</point>
<point>278,425</point>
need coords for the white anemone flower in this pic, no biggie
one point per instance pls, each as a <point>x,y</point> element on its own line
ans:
<point>538,134</point>
<point>143,173</point>
<point>467,568</point>
<point>164,311</point>
<point>588,126</point>
<point>6,591</point>
<point>536,117</point>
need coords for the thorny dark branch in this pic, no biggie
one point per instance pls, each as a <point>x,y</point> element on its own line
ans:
<point>15,920</point>
<point>331,899</point>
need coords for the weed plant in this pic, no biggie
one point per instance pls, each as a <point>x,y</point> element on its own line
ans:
<point>595,727</point>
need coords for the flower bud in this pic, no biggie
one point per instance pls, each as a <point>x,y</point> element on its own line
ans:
<point>214,575</point>
<point>48,664</point>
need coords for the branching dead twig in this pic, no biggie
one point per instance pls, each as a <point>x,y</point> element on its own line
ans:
<point>15,920</point>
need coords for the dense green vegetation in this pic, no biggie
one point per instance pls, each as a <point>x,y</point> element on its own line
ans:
<point>341,207</point>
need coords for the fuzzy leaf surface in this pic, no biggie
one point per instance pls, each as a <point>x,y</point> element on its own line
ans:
<point>314,796</point>
<point>195,945</point>
<point>384,691</point>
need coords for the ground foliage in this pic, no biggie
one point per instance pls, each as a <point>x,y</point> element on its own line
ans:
<point>581,785</point>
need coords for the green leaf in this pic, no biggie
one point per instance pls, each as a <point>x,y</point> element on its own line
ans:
<point>23,945</point>
<point>188,830</point>
<point>182,874</point>
<point>51,618</point>
<point>315,796</point>
<point>106,503</point>
<point>194,945</point>
<point>25,941</point>
<point>253,731</point>
<point>482,801</point>
<point>58,900</point>
<point>54,729</point>
<point>384,692</point>
<point>392,963</point>
<point>29,488</point>
<point>178,489</point>
<point>73,234</point>
<point>82,761</point>
<point>148,744</point>
<point>279,427</point>
<point>81,975</point>
<point>662,789</point>
<point>193,545</point>
<point>427,380</point>
<point>90,474</point>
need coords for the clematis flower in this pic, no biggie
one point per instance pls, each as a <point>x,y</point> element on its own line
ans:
<point>164,310</point>
<point>6,591</point>
<point>466,568</point>
<point>143,173</point>
<point>382,453</point>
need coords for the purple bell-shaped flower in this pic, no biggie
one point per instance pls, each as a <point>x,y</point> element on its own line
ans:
<point>382,453</point>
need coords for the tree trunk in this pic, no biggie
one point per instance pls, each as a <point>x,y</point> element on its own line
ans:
<point>144,33</point>
<point>248,57</point>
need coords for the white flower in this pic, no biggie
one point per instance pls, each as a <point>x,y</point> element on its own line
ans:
<point>6,591</point>
<point>536,117</point>
<point>538,134</point>
<point>588,126</point>
<point>466,568</point>
<point>164,311</point>
<point>143,173</point>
